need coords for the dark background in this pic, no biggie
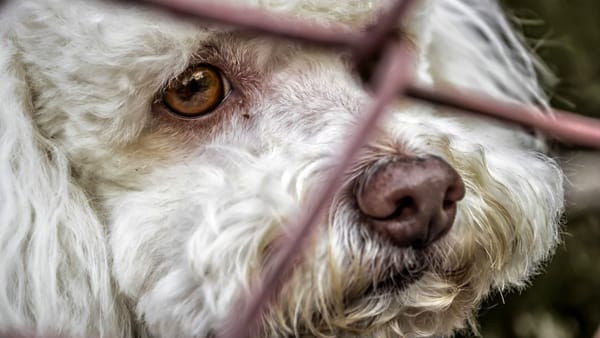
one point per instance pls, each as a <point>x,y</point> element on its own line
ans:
<point>564,301</point>
<point>566,34</point>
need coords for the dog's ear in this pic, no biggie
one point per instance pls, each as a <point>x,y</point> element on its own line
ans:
<point>54,264</point>
<point>471,44</point>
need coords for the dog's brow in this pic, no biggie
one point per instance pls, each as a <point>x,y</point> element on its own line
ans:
<point>392,77</point>
<point>564,126</point>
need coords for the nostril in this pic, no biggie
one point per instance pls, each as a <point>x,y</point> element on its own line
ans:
<point>448,204</point>
<point>456,188</point>
<point>405,208</point>
<point>453,194</point>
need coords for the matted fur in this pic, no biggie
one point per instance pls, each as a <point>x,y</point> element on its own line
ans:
<point>117,219</point>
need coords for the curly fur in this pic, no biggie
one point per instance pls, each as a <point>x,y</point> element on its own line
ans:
<point>117,219</point>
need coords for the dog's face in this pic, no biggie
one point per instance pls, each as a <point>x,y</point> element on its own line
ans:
<point>198,144</point>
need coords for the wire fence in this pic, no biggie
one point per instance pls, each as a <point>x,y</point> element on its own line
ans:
<point>390,78</point>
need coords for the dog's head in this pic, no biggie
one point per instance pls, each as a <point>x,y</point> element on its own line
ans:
<point>150,167</point>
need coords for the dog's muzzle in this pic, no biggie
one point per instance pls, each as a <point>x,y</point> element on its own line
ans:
<point>411,200</point>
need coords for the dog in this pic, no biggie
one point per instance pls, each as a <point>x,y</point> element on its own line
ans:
<point>149,167</point>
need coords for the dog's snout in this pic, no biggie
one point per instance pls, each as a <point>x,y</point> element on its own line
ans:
<point>412,200</point>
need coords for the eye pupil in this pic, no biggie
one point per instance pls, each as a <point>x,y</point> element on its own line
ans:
<point>190,89</point>
<point>196,92</point>
<point>195,86</point>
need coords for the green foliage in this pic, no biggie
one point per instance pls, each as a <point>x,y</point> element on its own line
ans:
<point>566,35</point>
<point>563,302</point>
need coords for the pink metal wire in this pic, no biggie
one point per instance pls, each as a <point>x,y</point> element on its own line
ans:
<point>392,79</point>
<point>562,126</point>
<point>252,20</point>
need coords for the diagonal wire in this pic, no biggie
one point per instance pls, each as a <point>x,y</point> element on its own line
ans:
<point>563,126</point>
<point>393,75</point>
<point>258,21</point>
<point>366,45</point>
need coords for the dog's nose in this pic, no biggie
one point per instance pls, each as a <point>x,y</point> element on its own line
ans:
<point>411,200</point>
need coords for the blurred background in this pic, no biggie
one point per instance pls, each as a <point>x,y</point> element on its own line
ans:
<point>565,301</point>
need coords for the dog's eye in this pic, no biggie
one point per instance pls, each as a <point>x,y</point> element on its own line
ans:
<point>196,92</point>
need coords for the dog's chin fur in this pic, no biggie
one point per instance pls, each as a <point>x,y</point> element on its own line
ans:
<point>119,219</point>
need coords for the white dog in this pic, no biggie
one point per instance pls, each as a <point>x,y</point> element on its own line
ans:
<point>149,166</point>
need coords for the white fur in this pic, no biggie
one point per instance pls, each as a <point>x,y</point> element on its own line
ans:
<point>116,220</point>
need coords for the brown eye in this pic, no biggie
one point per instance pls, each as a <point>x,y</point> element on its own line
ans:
<point>196,92</point>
